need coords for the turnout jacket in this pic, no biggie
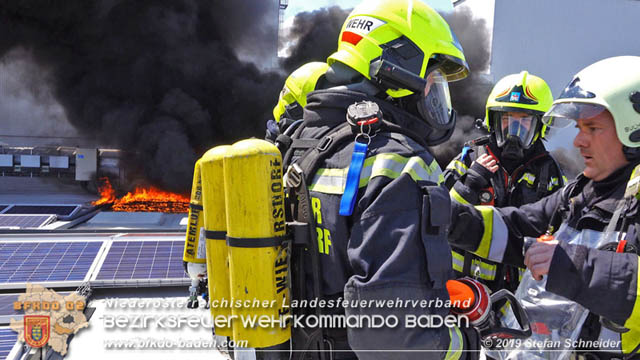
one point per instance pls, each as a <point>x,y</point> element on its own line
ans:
<point>604,282</point>
<point>394,245</point>
<point>471,183</point>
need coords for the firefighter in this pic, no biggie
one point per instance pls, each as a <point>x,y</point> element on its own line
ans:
<point>375,215</point>
<point>591,262</point>
<point>519,169</point>
<point>293,97</point>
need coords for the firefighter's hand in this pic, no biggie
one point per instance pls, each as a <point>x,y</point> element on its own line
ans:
<point>488,162</point>
<point>538,258</point>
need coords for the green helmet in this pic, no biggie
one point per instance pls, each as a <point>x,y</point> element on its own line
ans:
<point>518,93</point>
<point>611,84</point>
<point>294,92</point>
<point>407,33</point>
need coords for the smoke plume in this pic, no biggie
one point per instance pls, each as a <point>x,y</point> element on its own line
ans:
<point>158,78</point>
<point>313,35</point>
<point>163,78</point>
<point>28,102</point>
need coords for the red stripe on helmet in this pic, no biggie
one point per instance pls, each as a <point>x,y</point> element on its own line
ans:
<point>351,38</point>
<point>505,92</point>
<point>529,94</point>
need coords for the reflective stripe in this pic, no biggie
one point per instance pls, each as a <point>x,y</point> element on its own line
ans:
<point>521,272</point>
<point>457,260</point>
<point>458,166</point>
<point>482,270</point>
<point>495,236</point>
<point>631,339</point>
<point>455,344</point>
<point>457,197</point>
<point>529,178</point>
<point>332,181</point>
<point>479,268</point>
<point>553,183</point>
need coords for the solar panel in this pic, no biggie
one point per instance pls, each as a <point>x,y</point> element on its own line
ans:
<point>8,338</point>
<point>63,210</point>
<point>46,261</point>
<point>143,260</point>
<point>25,221</point>
<point>6,305</point>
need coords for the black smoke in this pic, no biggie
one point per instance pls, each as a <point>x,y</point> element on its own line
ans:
<point>313,36</point>
<point>162,78</point>
<point>158,78</point>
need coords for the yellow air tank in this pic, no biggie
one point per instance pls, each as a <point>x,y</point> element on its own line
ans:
<point>194,254</point>
<point>258,264</point>
<point>215,225</point>
<point>196,221</point>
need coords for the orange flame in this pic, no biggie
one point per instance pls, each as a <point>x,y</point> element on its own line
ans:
<point>142,199</point>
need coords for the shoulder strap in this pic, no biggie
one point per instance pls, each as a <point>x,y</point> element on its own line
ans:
<point>543,180</point>
<point>326,146</point>
<point>331,142</point>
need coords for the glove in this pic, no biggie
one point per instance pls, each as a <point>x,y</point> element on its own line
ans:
<point>477,177</point>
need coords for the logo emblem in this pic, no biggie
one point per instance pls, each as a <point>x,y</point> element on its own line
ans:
<point>36,330</point>
<point>515,97</point>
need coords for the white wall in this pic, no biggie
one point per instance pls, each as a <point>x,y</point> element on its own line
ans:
<point>555,39</point>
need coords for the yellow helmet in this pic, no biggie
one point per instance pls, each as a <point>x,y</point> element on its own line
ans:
<point>294,92</point>
<point>407,33</point>
<point>518,93</point>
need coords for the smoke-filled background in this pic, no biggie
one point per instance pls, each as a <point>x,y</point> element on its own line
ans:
<point>158,78</point>
<point>168,79</point>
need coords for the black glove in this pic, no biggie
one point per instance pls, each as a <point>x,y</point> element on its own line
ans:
<point>477,177</point>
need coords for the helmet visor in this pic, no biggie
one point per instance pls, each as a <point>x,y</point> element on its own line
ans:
<point>435,103</point>
<point>521,126</point>
<point>565,114</point>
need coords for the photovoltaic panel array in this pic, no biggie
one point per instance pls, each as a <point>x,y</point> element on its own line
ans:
<point>8,338</point>
<point>143,260</point>
<point>62,210</point>
<point>6,305</point>
<point>46,261</point>
<point>25,221</point>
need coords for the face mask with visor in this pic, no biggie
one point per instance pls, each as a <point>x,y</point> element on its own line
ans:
<point>511,127</point>
<point>431,95</point>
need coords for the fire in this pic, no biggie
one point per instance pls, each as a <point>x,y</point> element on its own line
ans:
<point>142,199</point>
